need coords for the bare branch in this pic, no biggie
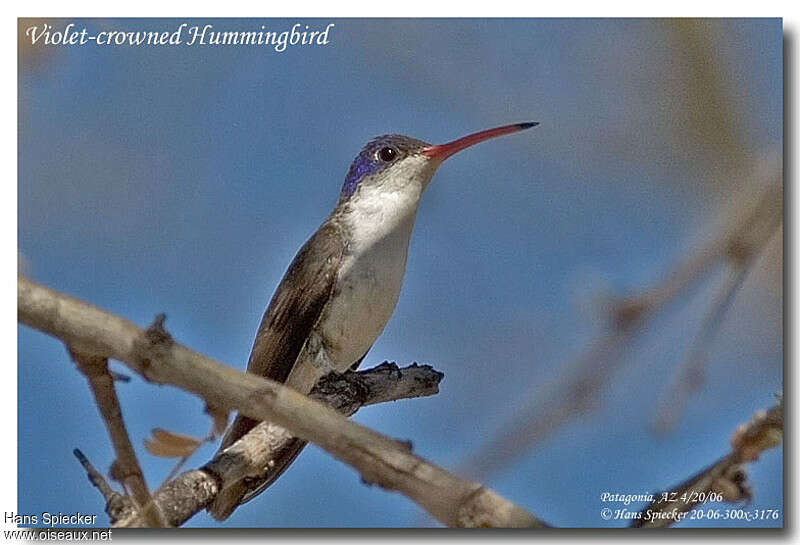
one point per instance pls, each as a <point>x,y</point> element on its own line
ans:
<point>379,459</point>
<point>724,480</point>
<point>118,507</point>
<point>95,477</point>
<point>690,375</point>
<point>125,468</point>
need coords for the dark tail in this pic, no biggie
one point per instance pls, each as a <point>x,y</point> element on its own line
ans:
<point>228,499</point>
<point>282,463</point>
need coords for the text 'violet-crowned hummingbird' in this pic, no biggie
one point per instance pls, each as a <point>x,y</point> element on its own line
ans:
<point>342,286</point>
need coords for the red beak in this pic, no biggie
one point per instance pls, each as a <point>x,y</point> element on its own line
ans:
<point>443,151</point>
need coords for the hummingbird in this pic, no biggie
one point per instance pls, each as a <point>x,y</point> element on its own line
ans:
<point>342,286</point>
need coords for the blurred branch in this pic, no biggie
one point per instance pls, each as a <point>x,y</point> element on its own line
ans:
<point>379,459</point>
<point>125,468</point>
<point>690,375</point>
<point>724,480</point>
<point>741,253</point>
<point>745,232</point>
<point>710,120</point>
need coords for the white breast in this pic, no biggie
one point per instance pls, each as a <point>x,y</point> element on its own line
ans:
<point>371,276</point>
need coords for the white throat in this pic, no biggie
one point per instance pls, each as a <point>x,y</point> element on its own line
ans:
<point>378,220</point>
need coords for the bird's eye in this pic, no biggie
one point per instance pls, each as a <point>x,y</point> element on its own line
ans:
<point>387,154</point>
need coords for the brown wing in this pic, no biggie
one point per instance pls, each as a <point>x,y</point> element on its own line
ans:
<point>293,312</point>
<point>287,322</point>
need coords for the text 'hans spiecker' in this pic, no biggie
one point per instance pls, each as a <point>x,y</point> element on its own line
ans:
<point>50,519</point>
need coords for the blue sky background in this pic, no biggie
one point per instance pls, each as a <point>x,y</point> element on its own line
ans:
<point>183,179</point>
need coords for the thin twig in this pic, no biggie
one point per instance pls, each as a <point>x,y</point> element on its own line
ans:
<point>119,377</point>
<point>95,477</point>
<point>118,506</point>
<point>125,468</point>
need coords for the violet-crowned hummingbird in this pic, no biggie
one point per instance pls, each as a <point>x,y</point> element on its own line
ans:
<point>342,286</point>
